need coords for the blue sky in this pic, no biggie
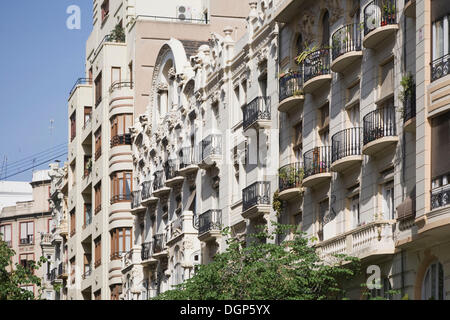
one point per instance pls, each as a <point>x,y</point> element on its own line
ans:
<point>40,60</point>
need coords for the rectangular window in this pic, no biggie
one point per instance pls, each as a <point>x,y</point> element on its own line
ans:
<point>25,259</point>
<point>105,10</point>
<point>73,126</point>
<point>49,225</point>
<point>98,89</point>
<point>87,214</point>
<point>27,233</point>
<point>87,114</point>
<point>98,197</point>
<point>386,79</point>
<point>120,242</point>
<point>121,186</point>
<point>6,234</point>
<point>298,141</point>
<point>72,223</point>
<point>323,212</point>
<point>98,251</point>
<point>98,143</point>
<point>72,269</point>
<point>115,75</point>
<point>355,213</point>
<point>353,116</point>
<point>388,201</point>
<point>119,129</point>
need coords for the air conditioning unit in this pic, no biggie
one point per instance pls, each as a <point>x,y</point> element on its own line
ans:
<point>184,13</point>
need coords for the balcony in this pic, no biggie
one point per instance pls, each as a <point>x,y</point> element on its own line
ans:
<point>316,70</point>
<point>257,113</point>
<point>62,273</point>
<point>117,85</point>
<point>79,82</point>
<point>291,91</point>
<point>87,219</point>
<point>440,67</point>
<point>159,188</point>
<point>46,239</point>
<point>174,178</point>
<point>210,225</point>
<point>346,47</point>
<point>147,253</point>
<point>256,200</point>
<point>27,241</point>
<point>87,272</point>
<point>121,140</point>
<point>317,166</point>
<point>136,206</point>
<point>53,276</point>
<point>159,249</point>
<point>440,197</point>
<point>121,198</point>
<point>409,113</point>
<point>290,181</point>
<point>379,130</point>
<point>346,149</point>
<point>188,163</point>
<point>176,230</point>
<point>146,195</point>
<point>409,9</point>
<point>380,22</point>
<point>210,151</point>
<point>373,239</point>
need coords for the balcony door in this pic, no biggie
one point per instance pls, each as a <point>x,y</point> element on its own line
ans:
<point>388,201</point>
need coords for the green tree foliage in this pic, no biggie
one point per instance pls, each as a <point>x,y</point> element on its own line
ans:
<point>118,34</point>
<point>265,270</point>
<point>11,280</point>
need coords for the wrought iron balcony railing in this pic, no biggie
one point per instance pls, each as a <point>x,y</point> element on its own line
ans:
<point>256,194</point>
<point>409,107</point>
<point>171,168</point>
<point>80,81</point>
<point>147,190</point>
<point>257,109</point>
<point>440,196</point>
<point>121,140</point>
<point>61,269</point>
<point>210,220</point>
<point>317,63</point>
<point>147,250</point>
<point>346,143</point>
<point>379,123</point>
<point>211,145</point>
<point>187,156</point>
<point>28,240</point>
<point>159,180</point>
<point>159,241</point>
<point>290,176</point>
<point>121,198</point>
<point>291,84</point>
<point>119,85</point>
<point>379,13</point>
<point>135,199</point>
<point>440,67</point>
<point>346,39</point>
<point>317,161</point>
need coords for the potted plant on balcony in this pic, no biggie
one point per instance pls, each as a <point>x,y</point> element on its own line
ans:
<point>118,34</point>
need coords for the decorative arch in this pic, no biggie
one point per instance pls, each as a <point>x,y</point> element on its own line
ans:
<point>428,259</point>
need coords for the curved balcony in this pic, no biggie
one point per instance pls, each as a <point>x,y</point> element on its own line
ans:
<point>210,151</point>
<point>80,82</point>
<point>189,161</point>
<point>290,181</point>
<point>121,198</point>
<point>317,166</point>
<point>159,188</point>
<point>121,98</point>
<point>440,67</point>
<point>210,225</point>
<point>121,140</point>
<point>409,9</point>
<point>346,149</point>
<point>379,130</point>
<point>256,200</point>
<point>380,22</point>
<point>346,47</point>
<point>146,195</point>
<point>174,178</point>
<point>257,113</point>
<point>291,91</point>
<point>316,70</point>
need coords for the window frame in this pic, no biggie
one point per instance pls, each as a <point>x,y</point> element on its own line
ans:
<point>33,234</point>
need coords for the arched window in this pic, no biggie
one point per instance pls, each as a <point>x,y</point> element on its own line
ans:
<point>326,29</point>
<point>433,283</point>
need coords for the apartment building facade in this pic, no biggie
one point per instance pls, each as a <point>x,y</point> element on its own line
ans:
<point>345,104</point>
<point>120,59</point>
<point>24,225</point>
